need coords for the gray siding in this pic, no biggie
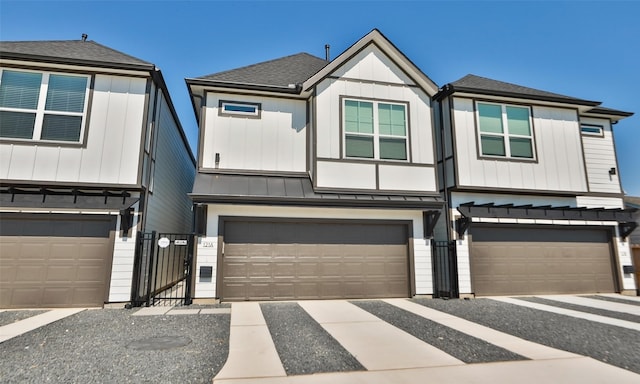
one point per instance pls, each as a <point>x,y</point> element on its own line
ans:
<point>169,207</point>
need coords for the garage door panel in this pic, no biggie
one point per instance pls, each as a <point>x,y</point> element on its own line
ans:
<point>507,261</point>
<point>55,260</point>
<point>351,263</point>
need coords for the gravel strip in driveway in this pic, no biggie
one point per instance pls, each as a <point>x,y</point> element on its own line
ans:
<point>11,316</point>
<point>583,308</point>
<point>457,344</point>
<point>111,346</point>
<point>303,345</point>
<point>613,345</point>
<point>615,300</point>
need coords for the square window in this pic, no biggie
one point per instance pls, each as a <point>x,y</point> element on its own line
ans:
<point>375,130</point>
<point>505,131</point>
<point>42,106</point>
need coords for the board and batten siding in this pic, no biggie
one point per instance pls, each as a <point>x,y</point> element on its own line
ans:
<point>371,75</point>
<point>600,157</point>
<point>110,152</point>
<point>169,208</point>
<point>559,164</point>
<point>274,142</point>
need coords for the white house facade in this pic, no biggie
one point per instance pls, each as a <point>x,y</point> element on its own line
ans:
<point>535,202</point>
<point>318,178</point>
<point>91,151</point>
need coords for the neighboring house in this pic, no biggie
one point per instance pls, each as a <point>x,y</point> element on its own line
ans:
<point>633,202</point>
<point>316,178</point>
<point>91,151</point>
<point>531,179</point>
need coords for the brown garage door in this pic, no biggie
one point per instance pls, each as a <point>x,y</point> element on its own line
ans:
<point>54,260</point>
<point>521,261</point>
<point>267,260</point>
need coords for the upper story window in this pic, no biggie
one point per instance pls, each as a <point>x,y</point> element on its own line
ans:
<point>505,131</point>
<point>42,106</point>
<point>592,130</point>
<point>234,108</point>
<point>375,130</point>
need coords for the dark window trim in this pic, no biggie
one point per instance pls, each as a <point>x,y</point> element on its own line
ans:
<point>258,107</point>
<point>481,156</point>
<point>406,103</point>
<point>82,143</point>
<point>600,127</point>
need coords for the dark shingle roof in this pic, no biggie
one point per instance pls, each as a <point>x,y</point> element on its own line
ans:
<point>294,69</point>
<point>482,85</point>
<point>609,111</point>
<point>71,51</point>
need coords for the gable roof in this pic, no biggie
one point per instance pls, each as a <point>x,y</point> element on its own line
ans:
<point>485,86</point>
<point>278,73</point>
<point>376,37</point>
<point>71,52</point>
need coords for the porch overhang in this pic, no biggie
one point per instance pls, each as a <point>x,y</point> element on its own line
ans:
<point>20,197</point>
<point>295,190</point>
<point>624,217</point>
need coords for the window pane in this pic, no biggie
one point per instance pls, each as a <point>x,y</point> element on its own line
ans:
<point>490,118</point>
<point>391,119</point>
<point>61,128</point>
<point>20,89</point>
<point>359,146</point>
<point>66,93</point>
<point>591,130</point>
<point>518,120</point>
<point>358,116</point>
<point>240,108</point>
<point>521,147</point>
<point>492,145</point>
<point>393,149</point>
<point>17,125</point>
<point>384,119</point>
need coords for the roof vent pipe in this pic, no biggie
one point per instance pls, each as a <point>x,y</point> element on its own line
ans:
<point>84,37</point>
<point>327,56</point>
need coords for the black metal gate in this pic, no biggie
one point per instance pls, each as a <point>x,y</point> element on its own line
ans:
<point>162,269</point>
<point>445,269</point>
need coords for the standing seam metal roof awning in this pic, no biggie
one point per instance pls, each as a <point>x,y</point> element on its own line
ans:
<point>293,190</point>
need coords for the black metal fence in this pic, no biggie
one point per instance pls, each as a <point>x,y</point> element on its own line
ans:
<point>162,269</point>
<point>445,269</point>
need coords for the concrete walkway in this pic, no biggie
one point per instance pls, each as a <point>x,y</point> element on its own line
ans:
<point>392,356</point>
<point>23,326</point>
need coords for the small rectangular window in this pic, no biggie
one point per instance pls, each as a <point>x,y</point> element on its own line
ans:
<point>233,108</point>
<point>592,130</point>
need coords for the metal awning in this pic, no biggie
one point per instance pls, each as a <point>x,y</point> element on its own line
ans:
<point>624,217</point>
<point>66,198</point>
<point>293,190</point>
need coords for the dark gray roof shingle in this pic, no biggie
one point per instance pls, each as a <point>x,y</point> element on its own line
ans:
<point>294,69</point>
<point>73,51</point>
<point>482,85</point>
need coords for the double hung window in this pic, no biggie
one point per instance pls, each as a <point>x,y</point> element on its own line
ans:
<point>592,130</point>
<point>42,106</point>
<point>505,131</point>
<point>375,130</point>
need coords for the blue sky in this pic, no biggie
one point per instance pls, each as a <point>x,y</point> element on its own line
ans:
<point>584,49</point>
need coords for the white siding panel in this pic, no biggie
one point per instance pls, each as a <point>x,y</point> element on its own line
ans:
<point>111,148</point>
<point>371,64</point>
<point>559,164</point>
<point>599,202</point>
<point>274,142</point>
<point>346,175</point>
<point>600,157</point>
<point>397,177</point>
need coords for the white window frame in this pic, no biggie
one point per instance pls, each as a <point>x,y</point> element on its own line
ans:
<point>255,114</point>
<point>376,130</point>
<point>600,129</point>
<point>506,135</point>
<point>40,110</point>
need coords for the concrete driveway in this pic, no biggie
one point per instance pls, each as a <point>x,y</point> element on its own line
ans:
<point>527,339</point>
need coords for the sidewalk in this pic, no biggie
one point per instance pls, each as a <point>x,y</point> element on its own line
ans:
<point>23,326</point>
